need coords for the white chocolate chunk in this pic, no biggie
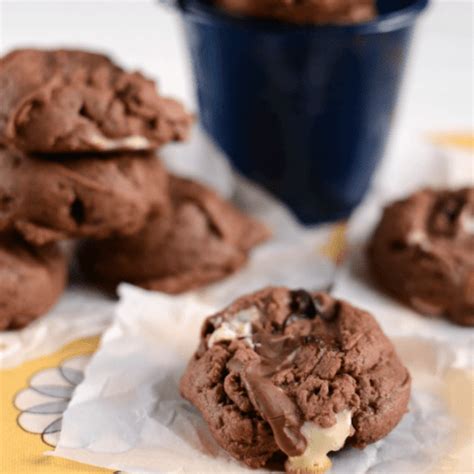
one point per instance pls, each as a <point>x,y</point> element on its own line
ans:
<point>134,142</point>
<point>418,237</point>
<point>468,223</point>
<point>239,327</point>
<point>320,441</point>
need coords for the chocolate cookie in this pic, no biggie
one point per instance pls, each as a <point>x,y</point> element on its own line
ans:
<point>31,280</point>
<point>88,196</point>
<point>297,373</point>
<point>315,12</point>
<point>69,101</point>
<point>202,239</point>
<point>423,253</point>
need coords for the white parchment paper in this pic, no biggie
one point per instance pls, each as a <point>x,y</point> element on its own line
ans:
<point>128,414</point>
<point>81,312</point>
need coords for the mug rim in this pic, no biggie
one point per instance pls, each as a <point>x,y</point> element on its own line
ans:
<point>395,20</point>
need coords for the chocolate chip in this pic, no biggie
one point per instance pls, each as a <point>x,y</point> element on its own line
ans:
<point>208,327</point>
<point>303,304</point>
<point>84,113</point>
<point>6,202</point>
<point>78,211</point>
<point>445,215</point>
<point>398,245</point>
<point>309,339</point>
<point>452,208</point>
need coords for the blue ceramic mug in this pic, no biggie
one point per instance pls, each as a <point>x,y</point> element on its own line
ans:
<point>303,110</point>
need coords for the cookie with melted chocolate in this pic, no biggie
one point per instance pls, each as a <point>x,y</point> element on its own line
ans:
<point>201,238</point>
<point>295,373</point>
<point>58,101</point>
<point>86,196</point>
<point>422,252</point>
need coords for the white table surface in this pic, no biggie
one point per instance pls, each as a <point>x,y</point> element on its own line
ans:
<point>438,88</point>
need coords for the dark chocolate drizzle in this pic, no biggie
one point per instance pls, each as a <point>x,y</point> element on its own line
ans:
<point>276,407</point>
<point>304,304</point>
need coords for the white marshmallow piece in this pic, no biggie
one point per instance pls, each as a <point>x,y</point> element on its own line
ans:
<point>419,238</point>
<point>239,327</point>
<point>320,441</point>
<point>468,223</point>
<point>133,142</point>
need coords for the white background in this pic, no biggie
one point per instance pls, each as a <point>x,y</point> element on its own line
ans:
<point>438,88</point>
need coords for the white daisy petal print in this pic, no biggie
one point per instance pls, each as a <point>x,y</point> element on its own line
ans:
<point>53,427</point>
<point>34,423</point>
<point>73,369</point>
<point>51,439</point>
<point>50,408</point>
<point>52,376</point>
<point>73,376</point>
<point>51,433</point>
<point>28,398</point>
<point>78,363</point>
<point>47,396</point>
<point>54,391</point>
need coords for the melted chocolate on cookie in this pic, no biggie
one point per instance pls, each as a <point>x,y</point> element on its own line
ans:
<point>276,360</point>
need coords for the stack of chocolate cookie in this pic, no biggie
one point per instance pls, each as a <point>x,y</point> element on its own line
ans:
<point>78,136</point>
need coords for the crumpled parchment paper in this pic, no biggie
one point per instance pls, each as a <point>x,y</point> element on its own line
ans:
<point>81,312</point>
<point>128,415</point>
